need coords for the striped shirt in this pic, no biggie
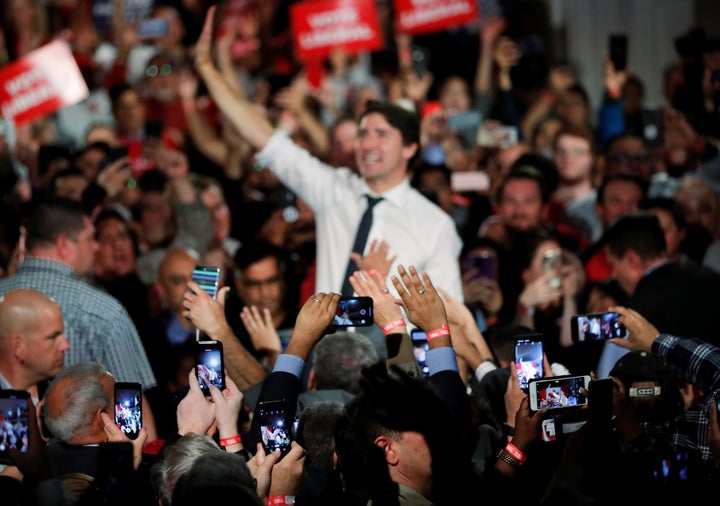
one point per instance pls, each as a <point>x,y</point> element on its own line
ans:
<point>97,326</point>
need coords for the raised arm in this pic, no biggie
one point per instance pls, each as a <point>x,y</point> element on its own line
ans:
<point>250,123</point>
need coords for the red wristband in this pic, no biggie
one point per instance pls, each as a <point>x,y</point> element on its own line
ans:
<point>515,452</point>
<point>378,272</point>
<point>547,97</point>
<point>393,325</point>
<point>229,441</point>
<point>281,499</point>
<point>442,331</point>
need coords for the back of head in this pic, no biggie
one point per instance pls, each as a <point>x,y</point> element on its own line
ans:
<point>638,231</point>
<point>52,218</point>
<point>339,359</point>
<point>216,478</point>
<point>315,432</point>
<point>178,459</point>
<point>72,399</point>
<point>389,404</point>
<point>405,121</point>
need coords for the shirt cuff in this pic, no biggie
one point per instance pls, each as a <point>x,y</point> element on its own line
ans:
<point>441,359</point>
<point>290,364</point>
<point>483,369</point>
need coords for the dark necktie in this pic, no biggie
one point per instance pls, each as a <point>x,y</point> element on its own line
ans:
<point>359,245</point>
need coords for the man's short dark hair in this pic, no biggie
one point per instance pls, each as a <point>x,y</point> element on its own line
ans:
<point>528,173</point>
<point>257,251</point>
<point>630,177</point>
<point>53,217</point>
<point>667,204</point>
<point>400,118</point>
<point>637,231</point>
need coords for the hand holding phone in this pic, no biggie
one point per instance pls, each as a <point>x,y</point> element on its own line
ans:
<point>128,408</point>
<point>483,262</point>
<point>618,51</point>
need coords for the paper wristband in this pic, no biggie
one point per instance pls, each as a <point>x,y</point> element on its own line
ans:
<point>442,331</point>
<point>393,325</point>
<point>515,452</point>
<point>281,499</point>
<point>229,441</point>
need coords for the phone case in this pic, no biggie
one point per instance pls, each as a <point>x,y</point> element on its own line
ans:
<point>208,277</point>
<point>15,422</point>
<point>596,327</point>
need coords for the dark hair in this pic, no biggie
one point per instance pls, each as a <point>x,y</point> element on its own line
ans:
<point>118,90</point>
<point>256,251</point>
<point>528,173</point>
<point>425,168</point>
<point>62,173</point>
<point>579,89</point>
<point>399,118</point>
<point>609,287</point>
<point>529,242</point>
<point>314,432</point>
<point>112,214</point>
<point>630,177</point>
<point>638,231</point>
<point>547,168</point>
<point>667,204</point>
<point>53,217</point>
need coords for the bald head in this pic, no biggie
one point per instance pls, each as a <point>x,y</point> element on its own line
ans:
<point>20,311</point>
<point>174,273</point>
<point>32,338</point>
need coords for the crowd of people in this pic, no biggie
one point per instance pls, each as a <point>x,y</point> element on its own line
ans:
<point>472,205</point>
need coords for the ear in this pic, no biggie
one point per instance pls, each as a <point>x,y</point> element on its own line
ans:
<point>634,259</point>
<point>387,445</point>
<point>17,346</point>
<point>409,151</point>
<point>65,247</point>
<point>312,380</point>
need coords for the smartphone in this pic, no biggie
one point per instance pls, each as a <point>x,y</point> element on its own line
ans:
<point>420,60</point>
<point>153,130</point>
<point>500,137</point>
<point>600,397</point>
<point>420,348</point>
<point>469,181</point>
<point>483,262</point>
<point>558,392</point>
<point>596,327</point>
<point>354,312</point>
<point>618,50</point>
<point>153,28</point>
<point>115,472</point>
<point>128,408</point>
<point>209,365</point>
<point>551,259</point>
<point>115,153</point>
<point>528,359</point>
<point>653,125</point>
<point>275,429</point>
<point>466,124</point>
<point>208,277</point>
<point>14,420</point>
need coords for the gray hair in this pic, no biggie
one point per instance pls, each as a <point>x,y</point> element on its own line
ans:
<point>177,460</point>
<point>83,396</point>
<point>339,358</point>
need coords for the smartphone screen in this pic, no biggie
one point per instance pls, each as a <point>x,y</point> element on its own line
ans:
<point>420,348</point>
<point>128,408</point>
<point>14,419</point>
<point>275,429</point>
<point>208,277</point>
<point>209,365</point>
<point>558,392</point>
<point>152,28</point>
<point>354,312</point>
<point>528,359</point>
<point>596,327</point>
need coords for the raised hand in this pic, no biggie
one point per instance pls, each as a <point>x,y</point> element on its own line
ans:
<point>377,258</point>
<point>312,322</point>
<point>262,332</point>
<point>421,300</point>
<point>385,307</point>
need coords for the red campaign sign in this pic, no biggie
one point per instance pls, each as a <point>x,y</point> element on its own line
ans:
<point>424,16</point>
<point>319,26</point>
<point>40,83</point>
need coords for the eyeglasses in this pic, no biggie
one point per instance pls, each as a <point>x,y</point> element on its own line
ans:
<point>627,158</point>
<point>573,152</point>
<point>154,70</point>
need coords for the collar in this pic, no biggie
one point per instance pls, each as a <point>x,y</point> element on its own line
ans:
<point>397,195</point>
<point>656,266</point>
<point>32,263</point>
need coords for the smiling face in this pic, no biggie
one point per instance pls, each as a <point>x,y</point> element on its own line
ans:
<point>380,154</point>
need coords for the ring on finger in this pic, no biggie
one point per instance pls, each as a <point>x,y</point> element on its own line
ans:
<point>421,291</point>
<point>315,299</point>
